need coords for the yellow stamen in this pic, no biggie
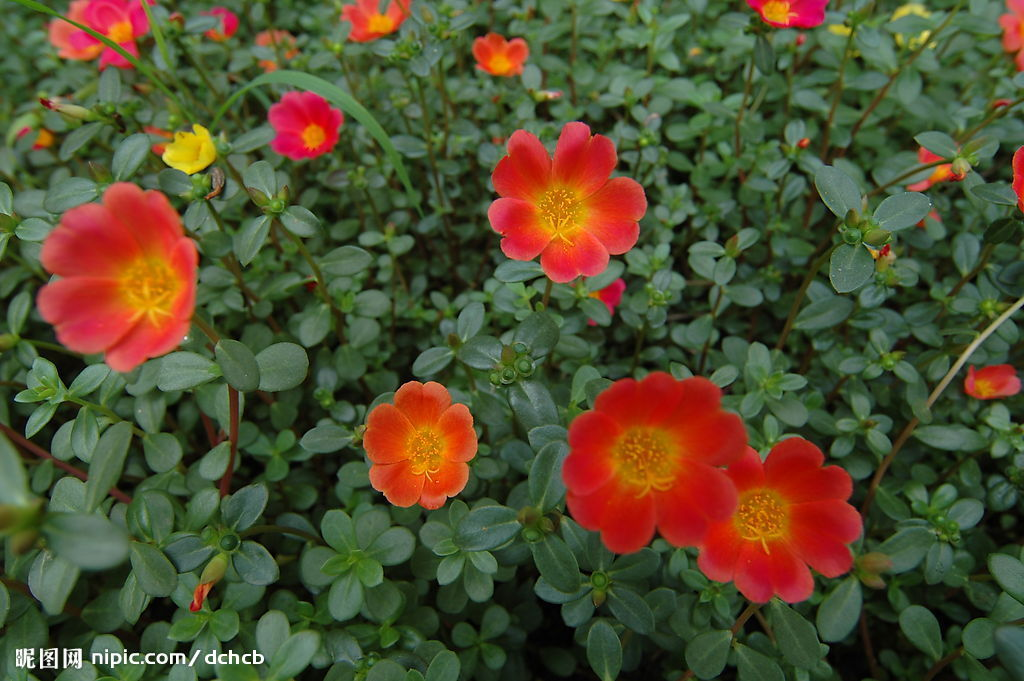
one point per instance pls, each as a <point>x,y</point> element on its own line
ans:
<point>313,136</point>
<point>777,11</point>
<point>500,64</point>
<point>644,460</point>
<point>761,517</point>
<point>560,209</point>
<point>121,32</point>
<point>425,452</point>
<point>149,286</point>
<point>380,23</point>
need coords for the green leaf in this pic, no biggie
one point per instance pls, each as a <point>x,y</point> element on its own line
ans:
<point>837,190</point>
<point>155,574</point>
<point>977,638</point>
<point>130,155</point>
<point>386,670</point>
<point>795,636</point>
<point>900,211</point>
<point>69,193</point>
<point>393,546</point>
<point>487,527</point>
<point>5,604</point>
<point>345,261</point>
<point>262,177</point>
<point>345,598</point>
<point>77,138</point>
<point>294,655</point>
<point>556,563</point>
<point>444,667</point>
<point>248,241</point>
<point>325,439</point>
<point>470,321</point>
<point>545,480</point>
<point>184,370</point>
<point>300,221</point>
<point>938,143</point>
<point>51,580</point>
<point>907,548</point>
<point>532,404</point>
<point>850,267</point>
<point>89,380</point>
<point>186,628</point>
<point>252,139</point>
<point>1008,573</point>
<point>89,541</point>
<point>481,352</point>
<point>1009,644</point>
<point>840,610</point>
<point>431,361</point>
<point>998,193</point>
<point>630,609</point>
<point>13,482</point>
<point>955,438</point>
<point>238,364</point>
<point>254,564</point>
<point>539,332</point>
<point>921,627</point>
<point>824,314</point>
<point>604,651</point>
<point>162,451</point>
<point>707,653</point>
<point>764,55</point>
<point>240,510</point>
<point>282,366</point>
<point>512,271</point>
<point>338,97</point>
<point>107,463</point>
<point>753,666</point>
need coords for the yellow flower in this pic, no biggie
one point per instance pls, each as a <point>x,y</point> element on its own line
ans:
<point>914,41</point>
<point>839,29</point>
<point>190,152</point>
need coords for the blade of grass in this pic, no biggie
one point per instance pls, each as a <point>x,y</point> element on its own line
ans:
<point>143,68</point>
<point>339,98</point>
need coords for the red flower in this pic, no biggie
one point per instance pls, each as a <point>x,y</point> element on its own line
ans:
<point>646,456</point>
<point>500,57</point>
<point>792,514</point>
<point>275,39</point>
<point>1013,30</point>
<point>228,23</point>
<point>610,295</point>
<point>367,21</point>
<point>791,13</point>
<point>212,573</point>
<point>306,125</point>
<point>941,173</point>
<point>1018,176</point>
<point>992,382</point>
<point>565,209</point>
<point>419,446</point>
<point>122,21</point>
<point>127,282</point>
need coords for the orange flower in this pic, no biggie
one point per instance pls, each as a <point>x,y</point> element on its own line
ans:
<point>367,21</point>
<point>1013,30</point>
<point>646,456</point>
<point>1018,176</point>
<point>500,57</point>
<point>419,446</point>
<point>566,209</point>
<point>992,382</point>
<point>941,173</point>
<point>792,513</point>
<point>274,39</point>
<point>127,273</point>
<point>790,13</point>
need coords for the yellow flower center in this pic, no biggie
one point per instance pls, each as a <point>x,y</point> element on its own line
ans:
<point>313,136</point>
<point>644,460</point>
<point>561,210</point>
<point>777,11</point>
<point>761,517</point>
<point>380,23</point>
<point>500,64</point>
<point>121,32</point>
<point>424,449</point>
<point>984,388</point>
<point>149,286</point>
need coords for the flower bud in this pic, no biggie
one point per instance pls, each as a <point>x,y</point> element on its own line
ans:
<point>72,111</point>
<point>961,166</point>
<point>804,142</point>
<point>877,237</point>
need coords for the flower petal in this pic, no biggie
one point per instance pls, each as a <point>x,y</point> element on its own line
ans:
<point>613,213</point>
<point>89,242</point>
<point>720,552</point>
<point>565,259</point>
<point>700,496</point>
<point>447,482</point>
<point>582,162</point>
<point>397,482</point>
<point>794,469</point>
<point>422,403</point>
<point>526,171</point>
<point>525,234</point>
<point>89,314</point>
<point>589,464</point>
<point>387,435</point>
<point>456,425</point>
<point>145,340</point>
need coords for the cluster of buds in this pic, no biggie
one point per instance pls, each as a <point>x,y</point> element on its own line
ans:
<point>535,524</point>
<point>515,363</point>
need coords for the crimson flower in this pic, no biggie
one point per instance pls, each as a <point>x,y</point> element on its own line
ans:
<point>1018,176</point>
<point>500,57</point>
<point>306,125</point>
<point>419,446</point>
<point>792,514</point>
<point>566,209</point>
<point>228,23</point>
<point>646,456</point>
<point>610,295</point>
<point>127,273</point>
<point>790,13</point>
<point>122,21</point>
<point>368,23</point>
<point>992,382</point>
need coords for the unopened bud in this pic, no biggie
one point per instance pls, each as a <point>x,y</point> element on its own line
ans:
<point>72,111</point>
<point>215,569</point>
<point>804,142</point>
<point>23,541</point>
<point>877,237</point>
<point>8,341</point>
<point>960,167</point>
<point>874,562</point>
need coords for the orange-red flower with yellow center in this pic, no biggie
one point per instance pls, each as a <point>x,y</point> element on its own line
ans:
<point>419,446</point>
<point>992,382</point>
<point>1012,24</point>
<point>500,57</point>
<point>127,273</point>
<point>647,457</point>
<point>565,209</point>
<point>369,23</point>
<point>790,13</point>
<point>792,514</point>
<point>941,173</point>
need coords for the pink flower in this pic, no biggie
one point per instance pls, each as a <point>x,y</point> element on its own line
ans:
<point>306,125</point>
<point>790,13</point>
<point>121,21</point>
<point>992,382</point>
<point>228,22</point>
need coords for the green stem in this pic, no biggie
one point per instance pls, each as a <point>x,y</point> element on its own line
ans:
<point>225,481</point>
<point>794,309</point>
<point>281,529</point>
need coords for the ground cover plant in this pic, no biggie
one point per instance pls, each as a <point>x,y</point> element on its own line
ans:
<point>419,340</point>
